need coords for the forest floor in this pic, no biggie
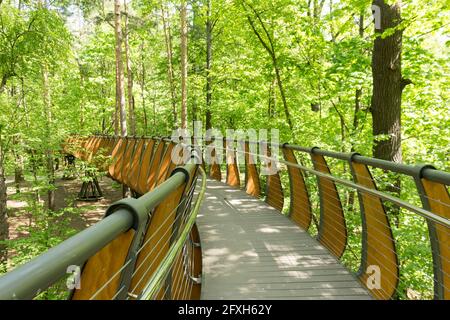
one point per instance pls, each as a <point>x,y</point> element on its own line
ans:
<point>88,212</point>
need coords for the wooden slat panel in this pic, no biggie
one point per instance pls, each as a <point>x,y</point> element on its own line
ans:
<point>100,268</point>
<point>196,262</point>
<point>439,203</point>
<point>172,166</point>
<point>78,145</point>
<point>127,159</point>
<point>157,240</point>
<point>144,168</point>
<point>110,145</point>
<point>114,156</point>
<point>274,189</point>
<point>117,159</point>
<point>214,166</point>
<point>103,148</point>
<point>86,146</point>
<point>167,165</point>
<point>133,175</point>
<point>300,206</point>
<point>232,168</point>
<point>332,228</point>
<point>252,185</point>
<point>378,241</point>
<point>94,148</point>
<point>121,160</point>
<point>155,165</point>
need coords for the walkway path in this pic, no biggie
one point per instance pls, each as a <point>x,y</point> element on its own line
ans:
<point>251,251</point>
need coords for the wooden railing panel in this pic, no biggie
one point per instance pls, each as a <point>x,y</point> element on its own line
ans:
<point>144,168</point>
<point>196,263</point>
<point>136,162</point>
<point>155,165</point>
<point>127,160</point>
<point>214,172</point>
<point>101,267</point>
<point>233,178</point>
<point>438,201</point>
<point>252,185</point>
<point>274,189</point>
<point>115,169</point>
<point>300,207</point>
<point>157,240</point>
<point>332,227</point>
<point>167,165</point>
<point>378,245</point>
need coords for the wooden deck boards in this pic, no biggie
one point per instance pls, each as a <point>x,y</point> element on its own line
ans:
<point>251,251</point>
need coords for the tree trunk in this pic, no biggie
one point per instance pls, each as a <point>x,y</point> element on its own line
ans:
<point>154,112</point>
<point>358,92</point>
<point>120,95</point>
<point>184,66</point>
<point>272,107</point>
<point>18,164</point>
<point>4,230</point>
<point>131,114</point>
<point>142,83</point>
<point>120,92</point>
<point>388,85</point>
<point>81,102</point>
<point>48,152</point>
<point>116,109</point>
<point>208,113</point>
<point>282,94</point>
<point>170,71</point>
<point>358,95</point>
<point>16,141</point>
<point>270,48</point>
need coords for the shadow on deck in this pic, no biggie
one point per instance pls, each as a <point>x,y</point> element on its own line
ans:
<point>251,251</point>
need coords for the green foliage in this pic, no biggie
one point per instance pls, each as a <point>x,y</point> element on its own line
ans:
<point>45,229</point>
<point>324,61</point>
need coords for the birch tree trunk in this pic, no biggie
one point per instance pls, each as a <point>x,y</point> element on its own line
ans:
<point>170,71</point>
<point>183,14</point>
<point>48,152</point>
<point>4,230</point>
<point>120,95</point>
<point>208,114</point>
<point>131,113</point>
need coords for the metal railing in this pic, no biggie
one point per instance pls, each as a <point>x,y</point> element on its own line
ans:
<point>114,252</point>
<point>348,201</point>
<point>365,235</point>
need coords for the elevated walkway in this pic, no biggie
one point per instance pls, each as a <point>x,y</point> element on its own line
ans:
<point>251,251</point>
<point>217,241</point>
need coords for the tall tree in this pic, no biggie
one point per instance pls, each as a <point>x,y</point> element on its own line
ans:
<point>4,227</point>
<point>267,41</point>
<point>142,85</point>
<point>209,29</point>
<point>170,70</point>
<point>48,152</point>
<point>388,83</point>
<point>46,96</point>
<point>120,92</point>
<point>184,63</point>
<point>131,112</point>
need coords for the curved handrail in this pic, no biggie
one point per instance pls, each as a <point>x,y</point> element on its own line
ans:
<point>35,276</point>
<point>378,240</point>
<point>156,282</point>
